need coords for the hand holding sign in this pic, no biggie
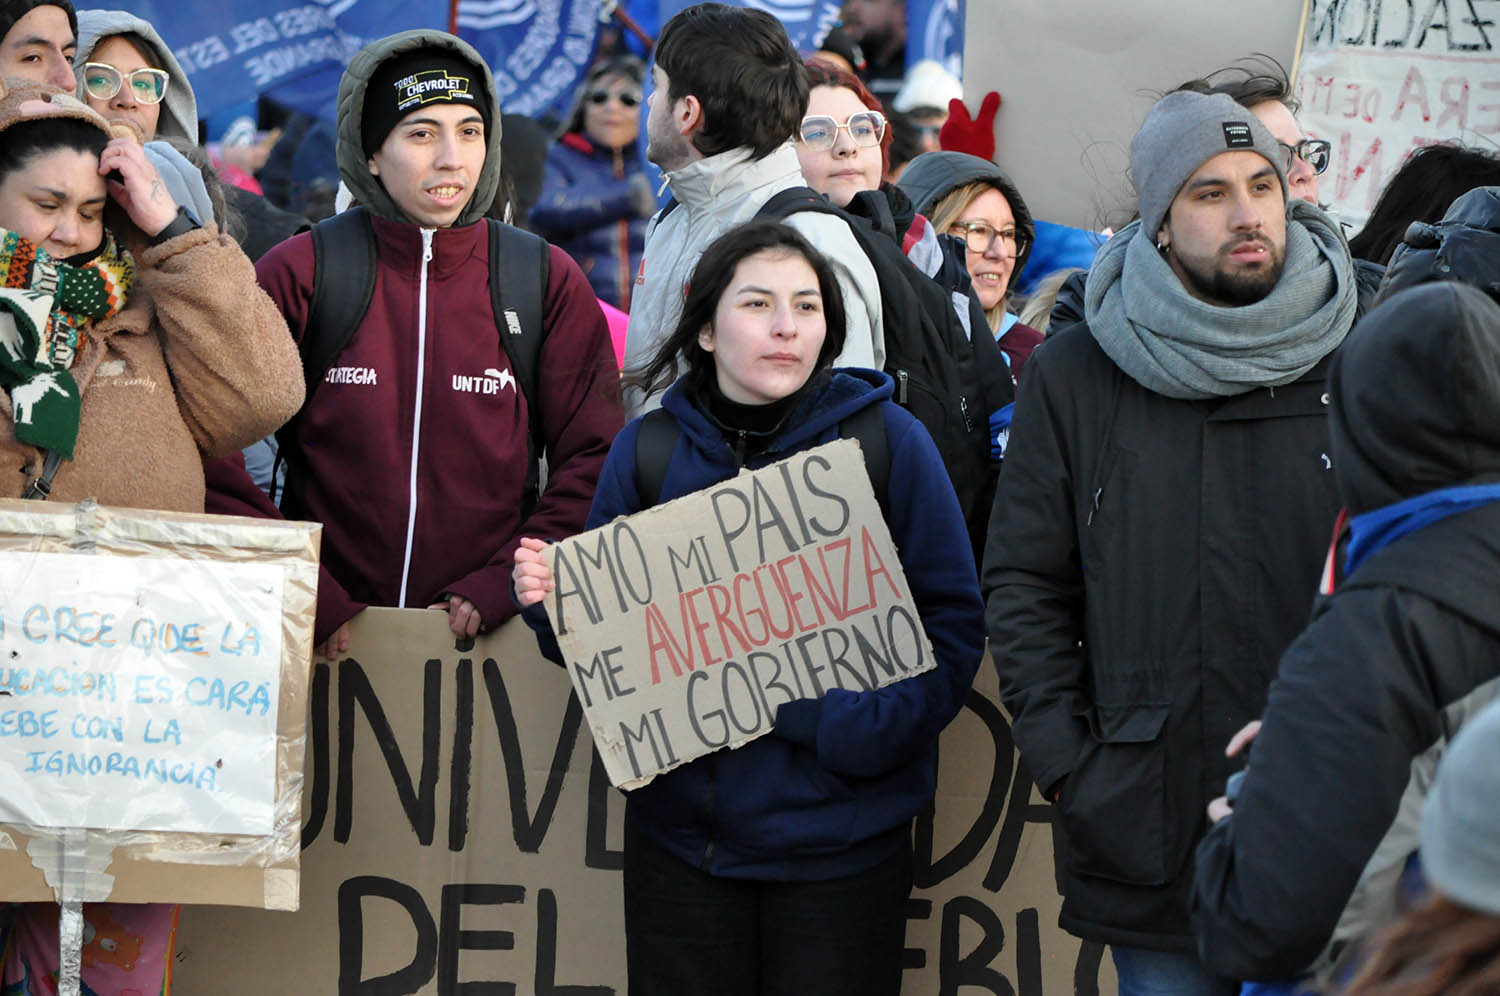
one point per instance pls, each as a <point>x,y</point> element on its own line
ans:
<point>532,575</point>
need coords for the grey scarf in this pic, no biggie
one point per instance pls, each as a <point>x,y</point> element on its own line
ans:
<point>1174,344</point>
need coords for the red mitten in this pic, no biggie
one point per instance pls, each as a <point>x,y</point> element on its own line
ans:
<point>976,135</point>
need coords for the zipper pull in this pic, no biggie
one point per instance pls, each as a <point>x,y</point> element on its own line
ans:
<point>963,406</point>
<point>1095,509</point>
<point>427,245</point>
<point>901,387</point>
<point>739,451</point>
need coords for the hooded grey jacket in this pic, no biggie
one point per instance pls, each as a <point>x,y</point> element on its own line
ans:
<point>179,109</point>
<point>354,170</point>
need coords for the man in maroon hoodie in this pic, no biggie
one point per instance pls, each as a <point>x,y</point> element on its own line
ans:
<point>416,443</point>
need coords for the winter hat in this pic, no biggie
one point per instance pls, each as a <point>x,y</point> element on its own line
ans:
<point>1460,848</point>
<point>928,87</point>
<point>931,176</point>
<point>12,11</point>
<point>414,79</point>
<point>1181,133</point>
<point>838,42</point>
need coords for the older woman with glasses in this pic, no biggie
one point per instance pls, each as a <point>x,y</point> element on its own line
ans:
<point>973,199</point>
<point>596,196</point>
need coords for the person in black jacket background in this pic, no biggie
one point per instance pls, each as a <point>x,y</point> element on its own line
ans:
<point>1406,649</point>
<point>1158,529</point>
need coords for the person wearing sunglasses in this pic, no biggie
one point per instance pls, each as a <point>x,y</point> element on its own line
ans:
<point>596,196</point>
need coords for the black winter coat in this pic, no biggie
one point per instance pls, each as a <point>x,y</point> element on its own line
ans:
<point>1149,559</point>
<point>1398,657</point>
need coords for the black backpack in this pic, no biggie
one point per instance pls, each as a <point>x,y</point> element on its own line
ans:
<point>343,285</point>
<point>938,369</point>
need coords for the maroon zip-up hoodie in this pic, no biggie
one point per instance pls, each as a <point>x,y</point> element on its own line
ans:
<point>416,440</point>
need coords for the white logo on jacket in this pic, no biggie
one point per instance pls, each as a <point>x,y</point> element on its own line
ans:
<point>350,375</point>
<point>491,383</point>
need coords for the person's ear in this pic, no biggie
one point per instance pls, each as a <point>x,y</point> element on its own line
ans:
<point>372,166</point>
<point>689,113</point>
<point>706,338</point>
<point>1163,238</point>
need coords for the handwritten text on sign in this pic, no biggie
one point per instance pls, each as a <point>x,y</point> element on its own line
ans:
<point>686,626</point>
<point>138,693</point>
<point>1379,78</point>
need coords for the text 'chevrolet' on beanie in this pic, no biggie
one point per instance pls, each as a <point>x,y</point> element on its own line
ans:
<point>1181,133</point>
<point>416,79</point>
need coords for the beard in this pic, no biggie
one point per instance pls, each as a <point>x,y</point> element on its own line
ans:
<point>1225,283</point>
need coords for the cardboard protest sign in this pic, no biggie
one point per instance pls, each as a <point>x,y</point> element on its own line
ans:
<point>1379,78</point>
<point>461,836</point>
<point>152,703</point>
<point>686,625</point>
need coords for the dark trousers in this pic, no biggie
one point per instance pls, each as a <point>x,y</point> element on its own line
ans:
<point>689,933</point>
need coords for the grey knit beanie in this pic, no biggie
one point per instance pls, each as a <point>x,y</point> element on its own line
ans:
<point>1460,845</point>
<point>1183,131</point>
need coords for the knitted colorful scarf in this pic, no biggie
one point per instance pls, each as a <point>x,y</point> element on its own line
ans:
<point>45,306</point>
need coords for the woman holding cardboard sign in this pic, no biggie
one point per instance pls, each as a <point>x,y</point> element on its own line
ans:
<point>135,341</point>
<point>783,866</point>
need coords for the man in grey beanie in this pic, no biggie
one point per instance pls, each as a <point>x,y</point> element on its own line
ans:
<point>37,39</point>
<point>1157,533</point>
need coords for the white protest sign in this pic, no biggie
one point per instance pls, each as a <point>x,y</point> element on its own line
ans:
<point>685,626</point>
<point>139,693</point>
<point>1379,78</point>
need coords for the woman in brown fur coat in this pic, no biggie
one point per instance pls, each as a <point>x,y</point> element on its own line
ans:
<point>132,343</point>
<point>150,344</point>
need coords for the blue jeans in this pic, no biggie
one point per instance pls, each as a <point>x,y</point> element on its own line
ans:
<point>1166,973</point>
<point>689,933</point>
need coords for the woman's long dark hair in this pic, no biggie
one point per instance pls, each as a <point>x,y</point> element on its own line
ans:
<point>710,279</point>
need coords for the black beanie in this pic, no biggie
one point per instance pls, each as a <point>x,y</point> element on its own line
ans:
<point>12,11</point>
<point>413,79</point>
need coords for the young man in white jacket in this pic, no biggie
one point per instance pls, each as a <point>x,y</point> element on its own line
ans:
<point>730,94</point>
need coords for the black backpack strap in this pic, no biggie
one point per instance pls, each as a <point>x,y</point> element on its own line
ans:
<point>655,443</point>
<point>41,488</point>
<point>343,284</point>
<point>868,426</point>
<point>795,200</point>
<point>519,271</point>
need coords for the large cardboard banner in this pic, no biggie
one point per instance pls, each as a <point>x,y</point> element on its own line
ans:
<point>685,626</point>
<point>152,702</point>
<point>1379,78</point>
<point>461,836</point>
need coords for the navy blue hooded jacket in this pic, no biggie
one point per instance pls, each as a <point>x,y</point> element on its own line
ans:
<point>833,789</point>
<point>586,210</point>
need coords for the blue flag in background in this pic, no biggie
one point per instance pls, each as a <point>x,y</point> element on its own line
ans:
<point>806,21</point>
<point>294,51</point>
<point>935,30</point>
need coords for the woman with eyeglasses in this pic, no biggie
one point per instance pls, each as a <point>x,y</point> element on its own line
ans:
<point>596,196</point>
<point>126,72</point>
<point>973,200</point>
